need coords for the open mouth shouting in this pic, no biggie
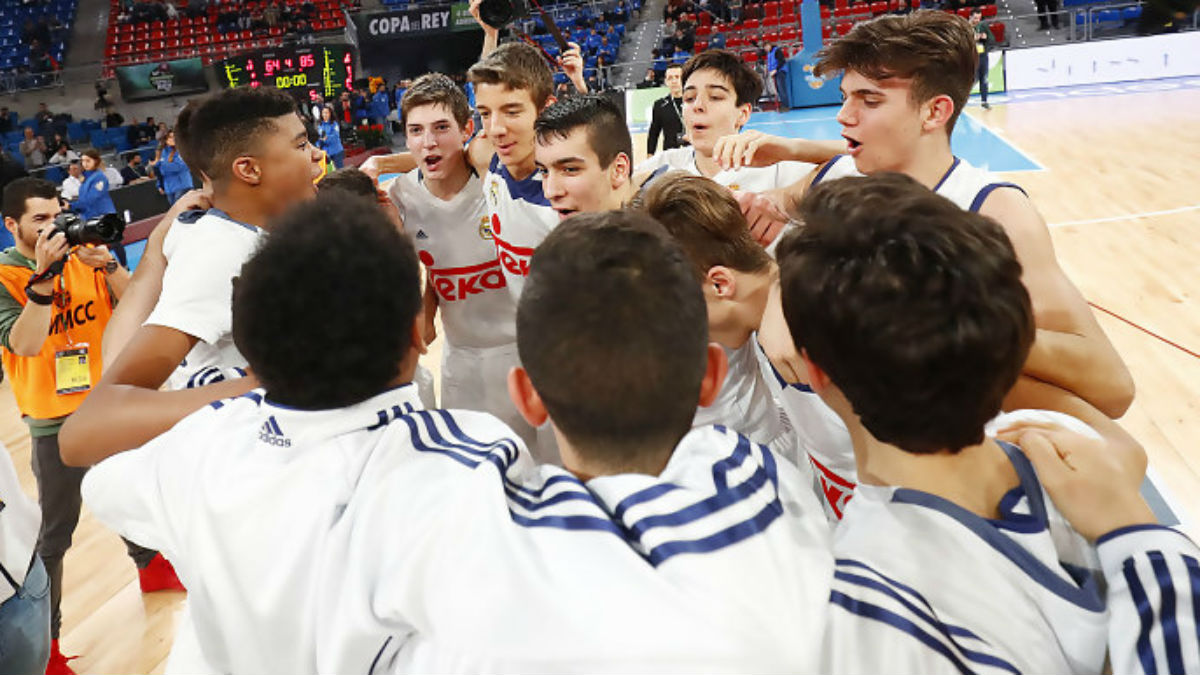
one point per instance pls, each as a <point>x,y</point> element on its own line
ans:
<point>854,146</point>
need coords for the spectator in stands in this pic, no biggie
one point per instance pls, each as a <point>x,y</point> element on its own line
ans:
<point>777,72</point>
<point>983,40</point>
<point>1047,11</point>
<point>44,117</point>
<point>331,137</point>
<point>608,50</point>
<point>649,82</point>
<point>174,176</point>
<point>137,135</point>
<point>33,148</point>
<point>73,181</point>
<point>115,178</point>
<point>378,109</point>
<point>6,123</point>
<point>94,200</point>
<point>685,38</point>
<point>196,8</point>
<point>717,41</point>
<point>63,155</point>
<point>113,119</point>
<point>133,171</point>
<point>659,66</point>
<point>271,15</point>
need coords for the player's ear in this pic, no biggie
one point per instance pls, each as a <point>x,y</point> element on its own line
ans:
<point>10,224</point>
<point>743,117</point>
<point>716,366</point>
<point>468,129</point>
<point>526,398</point>
<point>938,111</point>
<point>720,282</point>
<point>247,170</point>
<point>818,379</point>
<point>618,171</point>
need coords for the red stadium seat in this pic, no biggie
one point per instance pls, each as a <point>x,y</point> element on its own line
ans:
<point>998,31</point>
<point>771,8</point>
<point>750,57</point>
<point>988,11</point>
<point>880,7</point>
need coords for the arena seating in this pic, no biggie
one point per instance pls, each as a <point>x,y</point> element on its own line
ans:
<point>198,36</point>
<point>15,49</point>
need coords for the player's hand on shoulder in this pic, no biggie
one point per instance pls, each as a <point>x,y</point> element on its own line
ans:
<point>764,214</point>
<point>1087,478</point>
<point>776,340</point>
<point>373,167</point>
<point>751,148</point>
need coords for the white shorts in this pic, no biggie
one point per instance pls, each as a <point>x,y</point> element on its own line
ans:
<point>477,379</point>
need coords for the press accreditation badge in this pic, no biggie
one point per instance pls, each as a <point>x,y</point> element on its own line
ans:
<point>71,371</point>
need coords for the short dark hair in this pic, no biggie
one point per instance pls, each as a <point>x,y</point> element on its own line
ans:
<point>180,133</point>
<point>350,180</point>
<point>515,65</point>
<point>228,124</point>
<point>18,192</point>
<point>747,85</point>
<point>673,66</point>
<point>355,350</point>
<point>607,133</point>
<point>612,328</point>
<point>914,307</point>
<point>706,221</point>
<point>935,49</point>
<point>436,89</point>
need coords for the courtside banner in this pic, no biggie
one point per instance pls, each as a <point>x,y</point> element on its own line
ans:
<point>398,23</point>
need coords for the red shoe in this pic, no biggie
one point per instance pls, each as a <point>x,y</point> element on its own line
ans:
<point>57,665</point>
<point>159,576</point>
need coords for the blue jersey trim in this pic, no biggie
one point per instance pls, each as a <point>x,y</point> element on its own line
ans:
<point>1145,617</point>
<point>988,189</point>
<point>225,216</point>
<point>1135,528</point>
<point>1085,595</point>
<point>1170,627</point>
<point>825,169</point>
<point>779,378</point>
<point>870,611</point>
<point>945,176</point>
<point>529,190</point>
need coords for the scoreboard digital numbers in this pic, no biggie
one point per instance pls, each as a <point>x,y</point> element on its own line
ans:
<point>325,69</point>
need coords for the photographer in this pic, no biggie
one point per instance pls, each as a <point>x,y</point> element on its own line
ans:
<point>51,323</point>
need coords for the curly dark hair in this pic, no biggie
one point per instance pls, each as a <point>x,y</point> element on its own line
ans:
<point>746,83</point>
<point>324,310</point>
<point>228,124</point>
<point>914,307</point>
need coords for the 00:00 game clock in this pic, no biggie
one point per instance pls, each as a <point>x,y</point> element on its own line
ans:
<point>324,69</point>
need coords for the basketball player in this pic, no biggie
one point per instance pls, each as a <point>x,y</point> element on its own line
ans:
<point>913,322</point>
<point>654,548</point>
<point>241,494</point>
<point>253,147</point>
<point>453,236</point>
<point>737,276</point>
<point>1150,569</point>
<point>584,153</point>
<point>905,81</point>
<point>719,91</point>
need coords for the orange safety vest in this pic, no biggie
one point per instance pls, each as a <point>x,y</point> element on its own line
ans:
<point>82,321</point>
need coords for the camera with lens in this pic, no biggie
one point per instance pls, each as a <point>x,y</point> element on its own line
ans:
<point>499,13</point>
<point>106,229</point>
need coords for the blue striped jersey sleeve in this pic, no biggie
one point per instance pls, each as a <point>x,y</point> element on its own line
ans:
<point>1153,575</point>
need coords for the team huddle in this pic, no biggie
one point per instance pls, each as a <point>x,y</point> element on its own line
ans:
<point>757,404</point>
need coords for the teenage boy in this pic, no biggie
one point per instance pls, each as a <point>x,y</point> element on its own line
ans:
<point>243,493</point>
<point>254,148</point>
<point>905,80</point>
<point>656,548</point>
<point>449,225</point>
<point>584,156</point>
<point>737,276</point>
<point>913,323</point>
<point>719,91</point>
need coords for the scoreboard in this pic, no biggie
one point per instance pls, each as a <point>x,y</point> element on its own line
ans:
<point>324,69</point>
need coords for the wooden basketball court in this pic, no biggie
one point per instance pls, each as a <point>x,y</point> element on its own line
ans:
<point>1120,192</point>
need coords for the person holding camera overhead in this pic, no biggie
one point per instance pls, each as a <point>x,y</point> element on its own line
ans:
<point>56,297</point>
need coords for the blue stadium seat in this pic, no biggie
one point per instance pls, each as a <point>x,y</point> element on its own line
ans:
<point>56,174</point>
<point>99,139</point>
<point>76,133</point>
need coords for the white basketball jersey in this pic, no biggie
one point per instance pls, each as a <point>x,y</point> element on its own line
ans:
<point>744,403</point>
<point>822,439</point>
<point>746,179</point>
<point>934,588</point>
<point>521,219</point>
<point>465,556</point>
<point>965,185</point>
<point>454,241</point>
<point>241,497</point>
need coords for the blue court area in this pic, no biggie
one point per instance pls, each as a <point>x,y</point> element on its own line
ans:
<point>133,253</point>
<point>971,141</point>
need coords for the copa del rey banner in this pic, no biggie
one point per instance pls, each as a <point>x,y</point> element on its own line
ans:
<point>396,23</point>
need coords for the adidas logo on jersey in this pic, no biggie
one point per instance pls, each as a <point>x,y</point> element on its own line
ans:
<point>272,434</point>
<point>421,234</point>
